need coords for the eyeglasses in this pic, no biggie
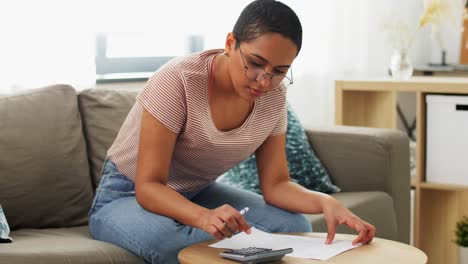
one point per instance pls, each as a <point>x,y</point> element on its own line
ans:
<point>256,73</point>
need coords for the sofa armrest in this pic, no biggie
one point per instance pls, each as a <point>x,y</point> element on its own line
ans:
<point>368,159</point>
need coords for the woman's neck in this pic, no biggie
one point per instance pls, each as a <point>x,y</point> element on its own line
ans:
<point>222,81</point>
<point>222,87</point>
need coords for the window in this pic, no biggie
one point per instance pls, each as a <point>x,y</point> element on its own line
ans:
<point>135,56</point>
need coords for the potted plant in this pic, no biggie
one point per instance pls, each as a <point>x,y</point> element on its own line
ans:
<point>461,233</point>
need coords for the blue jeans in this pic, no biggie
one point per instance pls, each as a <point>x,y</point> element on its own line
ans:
<point>116,217</point>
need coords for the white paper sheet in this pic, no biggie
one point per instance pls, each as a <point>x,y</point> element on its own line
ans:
<point>303,247</point>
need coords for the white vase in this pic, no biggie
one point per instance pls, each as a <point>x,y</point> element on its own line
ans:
<point>400,65</point>
<point>462,255</point>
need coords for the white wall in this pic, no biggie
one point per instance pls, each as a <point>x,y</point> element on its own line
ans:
<point>451,38</point>
<point>341,39</point>
<point>344,39</point>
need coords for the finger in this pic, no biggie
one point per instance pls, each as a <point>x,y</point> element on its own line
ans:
<point>369,228</point>
<point>230,222</point>
<point>227,215</point>
<point>331,227</point>
<point>229,229</point>
<point>361,229</point>
<point>370,231</point>
<point>246,228</point>
<point>242,222</point>
<point>362,233</point>
<point>243,225</point>
<point>214,232</point>
<point>361,238</point>
<point>372,234</point>
<point>222,228</point>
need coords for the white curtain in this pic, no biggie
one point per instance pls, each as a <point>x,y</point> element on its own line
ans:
<point>344,39</point>
<point>53,41</point>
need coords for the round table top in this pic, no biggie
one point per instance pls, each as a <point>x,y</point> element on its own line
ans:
<point>378,251</point>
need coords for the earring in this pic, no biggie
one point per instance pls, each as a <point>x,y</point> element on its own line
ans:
<point>226,54</point>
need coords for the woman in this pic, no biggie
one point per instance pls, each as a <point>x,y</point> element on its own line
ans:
<point>196,118</point>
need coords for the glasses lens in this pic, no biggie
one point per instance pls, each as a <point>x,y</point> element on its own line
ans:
<point>275,81</point>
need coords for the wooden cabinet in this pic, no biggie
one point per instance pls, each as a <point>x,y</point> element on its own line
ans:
<point>373,103</point>
<point>464,42</point>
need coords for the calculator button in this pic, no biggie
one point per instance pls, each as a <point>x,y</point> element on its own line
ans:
<point>250,251</point>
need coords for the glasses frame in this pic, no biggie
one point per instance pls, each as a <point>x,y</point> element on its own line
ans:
<point>266,73</point>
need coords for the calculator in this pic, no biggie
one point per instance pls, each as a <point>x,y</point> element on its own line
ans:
<point>252,255</point>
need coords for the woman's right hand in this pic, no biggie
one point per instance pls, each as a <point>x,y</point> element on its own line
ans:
<point>223,221</point>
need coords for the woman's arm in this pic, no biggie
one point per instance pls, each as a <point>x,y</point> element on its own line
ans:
<point>280,191</point>
<point>277,188</point>
<point>152,193</point>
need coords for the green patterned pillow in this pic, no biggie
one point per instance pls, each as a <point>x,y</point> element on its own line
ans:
<point>304,166</point>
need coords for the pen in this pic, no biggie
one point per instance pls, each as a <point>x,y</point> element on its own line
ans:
<point>243,211</point>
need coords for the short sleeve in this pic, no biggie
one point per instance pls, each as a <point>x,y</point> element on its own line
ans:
<point>163,96</point>
<point>282,123</point>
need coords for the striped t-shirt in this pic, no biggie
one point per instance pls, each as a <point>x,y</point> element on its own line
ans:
<point>177,96</point>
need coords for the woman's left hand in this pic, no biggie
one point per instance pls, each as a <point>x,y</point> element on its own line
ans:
<point>336,214</point>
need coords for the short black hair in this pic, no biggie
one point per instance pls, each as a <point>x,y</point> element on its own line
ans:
<point>268,16</point>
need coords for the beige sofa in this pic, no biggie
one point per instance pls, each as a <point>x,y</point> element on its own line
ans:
<point>53,142</point>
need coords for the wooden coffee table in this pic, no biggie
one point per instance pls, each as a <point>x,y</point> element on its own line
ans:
<point>379,251</point>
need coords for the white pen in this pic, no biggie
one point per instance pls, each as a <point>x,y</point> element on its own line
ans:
<point>243,211</point>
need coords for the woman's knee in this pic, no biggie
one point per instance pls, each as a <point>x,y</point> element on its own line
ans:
<point>157,241</point>
<point>152,247</point>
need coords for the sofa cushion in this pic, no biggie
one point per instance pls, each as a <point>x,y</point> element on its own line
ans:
<point>103,113</point>
<point>61,245</point>
<point>44,172</point>
<point>373,207</point>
